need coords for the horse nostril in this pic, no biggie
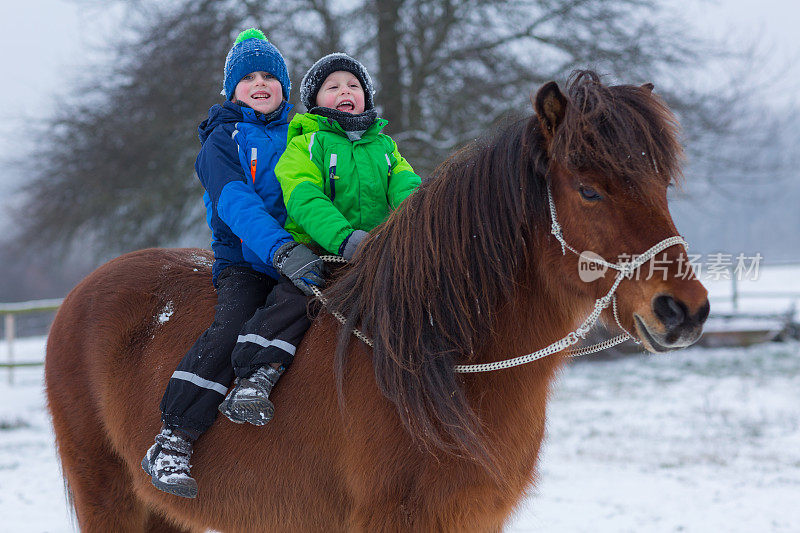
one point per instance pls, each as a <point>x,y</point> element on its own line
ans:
<point>702,313</point>
<point>671,312</point>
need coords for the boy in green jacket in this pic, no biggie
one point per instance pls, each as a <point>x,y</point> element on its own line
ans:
<point>340,175</point>
<point>340,178</point>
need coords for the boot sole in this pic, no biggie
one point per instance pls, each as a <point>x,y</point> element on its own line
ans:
<point>256,411</point>
<point>184,491</point>
<point>230,414</point>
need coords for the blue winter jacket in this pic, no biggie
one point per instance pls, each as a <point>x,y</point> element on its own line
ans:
<point>244,202</point>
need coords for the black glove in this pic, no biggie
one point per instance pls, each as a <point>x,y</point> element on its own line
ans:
<point>350,245</point>
<point>303,267</point>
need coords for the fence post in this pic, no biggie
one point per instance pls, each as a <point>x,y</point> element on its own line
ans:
<point>9,325</point>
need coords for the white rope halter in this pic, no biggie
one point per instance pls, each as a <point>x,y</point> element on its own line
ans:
<point>625,269</point>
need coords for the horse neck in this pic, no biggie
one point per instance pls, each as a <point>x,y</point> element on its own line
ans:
<point>512,401</point>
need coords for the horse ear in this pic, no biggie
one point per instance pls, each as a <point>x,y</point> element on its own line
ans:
<point>648,87</point>
<point>550,106</point>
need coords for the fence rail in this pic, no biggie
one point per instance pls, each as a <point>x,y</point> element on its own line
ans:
<point>32,306</point>
<point>10,310</point>
<point>21,364</point>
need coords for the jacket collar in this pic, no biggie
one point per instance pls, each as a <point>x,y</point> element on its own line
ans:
<point>251,115</point>
<point>328,124</point>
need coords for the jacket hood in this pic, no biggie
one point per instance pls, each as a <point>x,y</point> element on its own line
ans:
<point>228,113</point>
<point>303,123</point>
<point>219,114</point>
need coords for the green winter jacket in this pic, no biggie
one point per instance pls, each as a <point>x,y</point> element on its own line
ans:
<point>332,186</point>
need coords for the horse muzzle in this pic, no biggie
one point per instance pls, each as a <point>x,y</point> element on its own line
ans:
<point>672,325</point>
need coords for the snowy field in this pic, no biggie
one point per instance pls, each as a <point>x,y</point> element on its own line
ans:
<point>694,441</point>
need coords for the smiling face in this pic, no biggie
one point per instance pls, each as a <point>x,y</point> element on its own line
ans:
<point>260,90</point>
<point>341,90</point>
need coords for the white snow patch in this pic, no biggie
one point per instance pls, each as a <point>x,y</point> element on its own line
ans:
<point>169,308</point>
<point>202,260</point>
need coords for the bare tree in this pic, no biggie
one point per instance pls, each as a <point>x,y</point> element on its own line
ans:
<point>464,64</point>
<point>117,167</point>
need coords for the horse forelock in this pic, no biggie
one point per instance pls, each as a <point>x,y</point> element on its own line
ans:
<point>623,131</point>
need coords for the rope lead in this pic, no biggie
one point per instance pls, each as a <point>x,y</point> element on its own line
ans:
<point>625,270</point>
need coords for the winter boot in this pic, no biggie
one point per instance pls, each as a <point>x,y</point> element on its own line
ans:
<point>167,464</point>
<point>248,401</point>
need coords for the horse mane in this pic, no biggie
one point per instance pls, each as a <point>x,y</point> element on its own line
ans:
<point>428,282</point>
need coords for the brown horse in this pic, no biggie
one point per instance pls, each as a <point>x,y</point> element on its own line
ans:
<point>390,438</point>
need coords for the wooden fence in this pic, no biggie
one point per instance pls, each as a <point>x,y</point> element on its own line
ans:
<point>9,312</point>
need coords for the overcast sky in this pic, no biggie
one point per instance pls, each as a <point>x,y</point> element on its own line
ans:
<point>44,44</point>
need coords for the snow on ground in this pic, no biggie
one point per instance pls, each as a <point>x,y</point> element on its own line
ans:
<point>31,490</point>
<point>698,440</point>
<point>694,441</point>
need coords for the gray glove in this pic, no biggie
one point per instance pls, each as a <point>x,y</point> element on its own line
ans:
<point>303,267</point>
<point>352,242</point>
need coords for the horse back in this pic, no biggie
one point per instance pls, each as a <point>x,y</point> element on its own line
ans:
<point>112,348</point>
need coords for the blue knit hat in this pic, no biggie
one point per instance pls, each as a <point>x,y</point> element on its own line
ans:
<point>252,52</point>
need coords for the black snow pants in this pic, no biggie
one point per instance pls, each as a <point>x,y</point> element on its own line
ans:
<point>257,321</point>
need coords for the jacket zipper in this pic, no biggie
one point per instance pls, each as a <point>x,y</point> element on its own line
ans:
<point>332,176</point>
<point>253,161</point>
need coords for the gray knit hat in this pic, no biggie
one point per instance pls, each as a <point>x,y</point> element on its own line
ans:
<point>323,68</point>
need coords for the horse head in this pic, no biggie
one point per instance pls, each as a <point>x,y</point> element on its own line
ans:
<point>612,153</point>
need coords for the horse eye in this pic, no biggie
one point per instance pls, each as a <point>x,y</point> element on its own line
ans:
<point>589,194</point>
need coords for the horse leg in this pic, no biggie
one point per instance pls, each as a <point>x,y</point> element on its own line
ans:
<point>99,484</point>
<point>158,524</point>
<point>365,520</point>
<point>402,520</point>
<point>101,489</point>
<point>396,513</point>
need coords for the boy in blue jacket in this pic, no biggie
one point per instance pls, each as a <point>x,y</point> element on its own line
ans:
<point>242,140</point>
